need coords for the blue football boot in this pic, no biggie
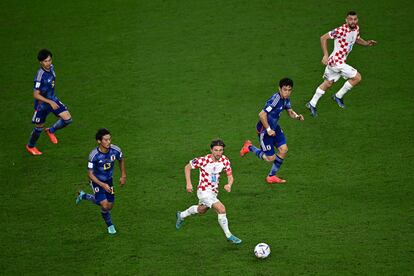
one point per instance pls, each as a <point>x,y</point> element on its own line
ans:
<point>111,229</point>
<point>339,101</point>
<point>234,239</point>
<point>79,198</point>
<point>312,109</point>
<point>179,222</point>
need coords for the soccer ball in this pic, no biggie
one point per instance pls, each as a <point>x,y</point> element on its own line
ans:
<point>262,250</point>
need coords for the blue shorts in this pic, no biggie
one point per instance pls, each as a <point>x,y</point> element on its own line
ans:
<point>101,194</point>
<point>43,109</point>
<point>268,143</point>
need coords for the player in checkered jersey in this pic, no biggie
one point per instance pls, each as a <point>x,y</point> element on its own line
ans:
<point>210,167</point>
<point>345,37</point>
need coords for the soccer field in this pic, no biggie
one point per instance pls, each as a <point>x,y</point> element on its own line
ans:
<point>167,77</point>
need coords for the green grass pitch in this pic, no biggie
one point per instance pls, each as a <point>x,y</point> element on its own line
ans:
<point>166,77</point>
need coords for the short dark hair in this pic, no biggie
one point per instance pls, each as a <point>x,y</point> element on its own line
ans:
<point>217,142</point>
<point>351,13</point>
<point>285,82</point>
<point>101,133</point>
<point>43,54</point>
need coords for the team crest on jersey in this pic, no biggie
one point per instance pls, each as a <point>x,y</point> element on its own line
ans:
<point>112,157</point>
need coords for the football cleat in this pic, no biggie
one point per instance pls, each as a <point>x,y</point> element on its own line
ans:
<point>245,148</point>
<point>339,101</point>
<point>274,179</point>
<point>234,239</point>
<point>33,150</point>
<point>52,136</point>
<point>179,222</point>
<point>312,109</point>
<point>111,229</point>
<point>79,198</point>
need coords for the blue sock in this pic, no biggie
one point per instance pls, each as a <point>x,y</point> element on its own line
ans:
<point>107,217</point>
<point>276,165</point>
<point>60,124</point>
<point>259,153</point>
<point>34,136</point>
<point>90,197</point>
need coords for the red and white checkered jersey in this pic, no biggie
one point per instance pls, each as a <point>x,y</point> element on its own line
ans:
<point>210,171</point>
<point>345,38</point>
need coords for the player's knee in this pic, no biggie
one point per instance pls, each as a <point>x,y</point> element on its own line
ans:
<point>106,206</point>
<point>356,79</point>
<point>359,77</point>
<point>283,150</point>
<point>68,121</point>
<point>327,84</point>
<point>201,209</point>
<point>221,210</point>
<point>40,126</point>
<point>271,158</point>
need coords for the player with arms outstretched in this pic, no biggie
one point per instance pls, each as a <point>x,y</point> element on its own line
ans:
<point>269,132</point>
<point>345,37</point>
<point>46,102</point>
<point>210,167</point>
<point>100,171</point>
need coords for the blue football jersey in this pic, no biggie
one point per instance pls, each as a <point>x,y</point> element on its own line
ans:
<point>273,107</point>
<point>45,83</point>
<point>102,164</point>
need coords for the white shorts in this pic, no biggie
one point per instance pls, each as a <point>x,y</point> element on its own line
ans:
<point>207,198</point>
<point>333,73</point>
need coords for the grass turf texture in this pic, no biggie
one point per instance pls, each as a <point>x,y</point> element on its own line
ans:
<point>166,77</point>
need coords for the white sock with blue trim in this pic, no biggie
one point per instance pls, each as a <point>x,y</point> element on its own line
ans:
<point>345,88</point>
<point>222,219</point>
<point>318,94</point>
<point>190,211</point>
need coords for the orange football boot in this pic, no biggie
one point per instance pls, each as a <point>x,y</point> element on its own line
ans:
<point>52,136</point>
<point>33,151</point>
<point>274,179</point>
<point>245,148</point>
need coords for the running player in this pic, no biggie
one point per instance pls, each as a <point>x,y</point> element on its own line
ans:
<point>46,102</point>
<point>210,167</point>
<point>345,37</point>
<point>269,132</point>
<point>100,171</point>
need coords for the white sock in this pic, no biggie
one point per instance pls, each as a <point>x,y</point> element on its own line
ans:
<point>222,219</point>
<point>345,88</point>
<point>190,211</point>
<point>318,94</point>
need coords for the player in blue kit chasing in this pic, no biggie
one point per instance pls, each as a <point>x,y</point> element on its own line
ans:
<point>100,171</point>
<point>269,132</point>
<point>46,102</point>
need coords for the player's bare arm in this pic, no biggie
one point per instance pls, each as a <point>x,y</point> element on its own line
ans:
<point>230,181</point>
<point>39,97</point>
<point>324,46</point>
<point>361,41</point>
<point>263,119</point>
<point>294,115</point>
<point>187,172</point>
<point>94,179</point>
<point>122,179</point>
